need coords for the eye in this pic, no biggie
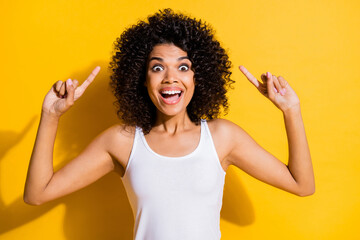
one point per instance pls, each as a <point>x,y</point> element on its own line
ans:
<point>184,67</point>
<point>157,68</point>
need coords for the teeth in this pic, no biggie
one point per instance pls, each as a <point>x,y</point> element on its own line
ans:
<point>171,92</point>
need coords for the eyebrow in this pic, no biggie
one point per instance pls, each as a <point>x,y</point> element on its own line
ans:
<point>161,60</point>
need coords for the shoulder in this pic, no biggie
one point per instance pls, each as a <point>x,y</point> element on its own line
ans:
<point>120,130</point>
<point>223,127</point>
<point>118,133</point>
<point>226,136</point>
<point>229,139</point>
<point>118,141</point>
<point>227,133</point>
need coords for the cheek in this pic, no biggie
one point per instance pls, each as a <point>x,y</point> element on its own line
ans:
<point>191,83</point>
<point>152,80</point>
<point>151,90</point>
<point>148,84</point>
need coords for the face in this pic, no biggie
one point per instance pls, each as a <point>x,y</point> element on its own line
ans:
<point>169,79</point>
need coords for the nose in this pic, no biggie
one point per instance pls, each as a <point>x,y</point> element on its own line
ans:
<point>170,76</point>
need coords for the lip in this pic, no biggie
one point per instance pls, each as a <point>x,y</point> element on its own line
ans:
<point>166,101</point>
<point>171,89</point>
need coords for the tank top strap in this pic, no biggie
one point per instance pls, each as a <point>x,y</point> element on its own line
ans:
<point>210,144</point>
<point>137,137</point>
<point>205,129</point>
<point>202,131</point>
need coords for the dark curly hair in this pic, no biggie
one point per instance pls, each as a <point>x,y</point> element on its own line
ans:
<point>210,64</point>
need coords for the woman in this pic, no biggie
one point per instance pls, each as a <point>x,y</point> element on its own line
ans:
<point>170,78</point>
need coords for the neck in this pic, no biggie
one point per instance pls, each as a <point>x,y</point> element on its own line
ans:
<point>172,124</point>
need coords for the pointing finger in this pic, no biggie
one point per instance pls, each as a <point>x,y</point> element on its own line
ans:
<point>249,76</point>
<point>89,80</point>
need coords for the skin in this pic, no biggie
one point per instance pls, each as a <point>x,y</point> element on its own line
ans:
<point>173,134</point>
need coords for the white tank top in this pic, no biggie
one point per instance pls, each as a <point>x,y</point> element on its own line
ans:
<point>175,198</point>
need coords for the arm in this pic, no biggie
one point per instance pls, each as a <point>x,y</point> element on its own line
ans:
<point>299,163</point>
<point>42,183</point>
<point>297,177</point>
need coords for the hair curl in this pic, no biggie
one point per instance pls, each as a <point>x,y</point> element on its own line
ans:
<point>210,64</point>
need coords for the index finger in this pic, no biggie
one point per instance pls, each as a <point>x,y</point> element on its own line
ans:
<point>89,80</point>
<point>249,76</point>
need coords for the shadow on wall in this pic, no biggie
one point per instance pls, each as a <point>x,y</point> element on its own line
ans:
<point>237,207</point>
<point>101,210</point>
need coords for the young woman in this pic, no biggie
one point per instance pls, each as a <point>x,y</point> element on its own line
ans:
<point>170,77</point>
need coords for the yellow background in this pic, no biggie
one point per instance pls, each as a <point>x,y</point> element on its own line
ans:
<point>313,44</point>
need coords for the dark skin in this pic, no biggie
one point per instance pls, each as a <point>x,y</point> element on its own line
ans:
<point>173,134</point>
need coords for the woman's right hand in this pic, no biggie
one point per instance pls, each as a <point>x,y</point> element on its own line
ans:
<point>62,95</point>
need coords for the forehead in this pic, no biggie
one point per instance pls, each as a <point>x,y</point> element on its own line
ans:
<point>167,50</point>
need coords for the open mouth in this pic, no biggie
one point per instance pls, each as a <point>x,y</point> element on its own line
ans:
<point>171,96</point>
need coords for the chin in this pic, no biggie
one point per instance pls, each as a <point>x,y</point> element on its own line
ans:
<point>171,112</point>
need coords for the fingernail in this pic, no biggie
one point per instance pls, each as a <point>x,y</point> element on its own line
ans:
<point>69,82</point>
<point>275,90</point>
<point>268,74</point>
<point>283,91</point>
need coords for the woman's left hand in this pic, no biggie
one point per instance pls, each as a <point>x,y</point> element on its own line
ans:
<point>277,89</point>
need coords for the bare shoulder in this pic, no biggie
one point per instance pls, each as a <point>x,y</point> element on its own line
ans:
<point>222,128</point>
<point>118,140</point>
<point>228,138</point>
<point>225,136</point>
<point>119,132</point>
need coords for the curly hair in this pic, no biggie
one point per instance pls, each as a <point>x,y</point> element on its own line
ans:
<point>210,64</point>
